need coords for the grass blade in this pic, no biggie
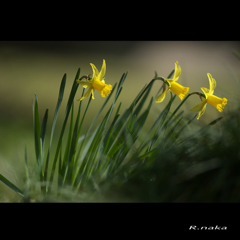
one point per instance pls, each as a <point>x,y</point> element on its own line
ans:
<point>200,132</point>
<point>95,142</point>
<point>60,97</point>
<point>68,108</point>
<point>43,127</point>
<point>37,129</point>
<point>26,164</point>
<point>10,184</point>
<point>68,145</point>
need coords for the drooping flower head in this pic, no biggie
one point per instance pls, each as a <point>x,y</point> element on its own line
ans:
<point>97,82</point>
<point>175,87</point>
<point>215,101</point>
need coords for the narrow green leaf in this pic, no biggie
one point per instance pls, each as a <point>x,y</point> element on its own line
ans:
<point>182,129</point>
<point>157,126</point>
<point>174,119</point>
<point>200,132</point>
<point>43,128</point>
<point>142,118</point>
<point>122,121</point>
<point>80,127</point>
<point>77,127</point>
<point>68,145</point>
<point>68,108</point>
<point>74,142</point>
<point>10,184</point>
<point>104,104</point>
<point>141,103</point>
<point>147,154</point>
<point>93,150</point>
<point>83,161</point>
<point>171,73</point>
<point>60,168</point>
<point>161,126</point>
<point>26,164</point>
<point>117,128</point>
<point>60,97</point>
<point>171,131</point>
<point>109,133</point>
<point>177,108</point>
<point>215,121</point>
<point>37,130</point>
<point>126,140</point>
<point>88,131</point>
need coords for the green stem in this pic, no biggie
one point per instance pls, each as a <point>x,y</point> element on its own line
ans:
<point>183,101</point>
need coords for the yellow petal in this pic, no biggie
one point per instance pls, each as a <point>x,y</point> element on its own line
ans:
<point>177,72</point>
<point>206,92</point>
<point>85,84</point>
<point>92,93</point>
<point>95,71</point>
<point>200,108</point>
<point>161,97</point>
<point>212,83</point>
<point>200,113</point>
<point>103,71</point>
<point>86,94</point>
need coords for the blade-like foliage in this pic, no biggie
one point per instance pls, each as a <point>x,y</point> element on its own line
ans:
<point>37,130</point>
<point>60,97</point>
<point>10,184</point>
<point>115,145</point>
<point>68,108</point>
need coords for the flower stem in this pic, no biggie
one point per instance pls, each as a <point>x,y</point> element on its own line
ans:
<point>198,93</point>
<point>162,79</point>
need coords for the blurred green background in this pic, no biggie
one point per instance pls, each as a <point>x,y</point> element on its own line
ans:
<point>28,67</point>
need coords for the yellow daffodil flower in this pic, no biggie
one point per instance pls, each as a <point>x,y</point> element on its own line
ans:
<point>174,86</point>
<point>97,82</point>
<point>215,101</point>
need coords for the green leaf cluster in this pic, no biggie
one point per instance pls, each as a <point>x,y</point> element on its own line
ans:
<point>117,146</point>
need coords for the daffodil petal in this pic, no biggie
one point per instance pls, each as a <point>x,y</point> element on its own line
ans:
<point>177,72</point>
<point>212,83</point>
<point>205,91</point>
<point>86,94</point>
<point>95,71</point>
<point>200,113</point>
<point>85,84</point>
<point>200,108</point>
<point>103,71</point>
<point>161,97</point>
<point>92,93</point>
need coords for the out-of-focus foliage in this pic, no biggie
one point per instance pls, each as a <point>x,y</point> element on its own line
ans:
<point>202,169</point>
